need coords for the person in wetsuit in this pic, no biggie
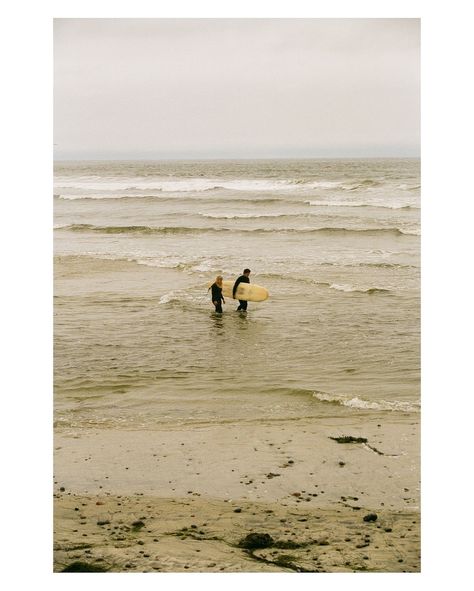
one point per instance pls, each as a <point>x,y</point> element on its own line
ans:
<point>242,279</point>
<point>216,294</point>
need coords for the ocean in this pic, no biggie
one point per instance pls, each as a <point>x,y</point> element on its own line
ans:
<point>137,344</point>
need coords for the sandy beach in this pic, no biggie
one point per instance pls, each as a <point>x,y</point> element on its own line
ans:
<point>273,497</point>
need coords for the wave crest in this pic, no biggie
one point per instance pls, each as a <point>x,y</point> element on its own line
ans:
<point>375,204</point>
<point>361,404</point>
<point>197,230</point>
<point>350,288</point>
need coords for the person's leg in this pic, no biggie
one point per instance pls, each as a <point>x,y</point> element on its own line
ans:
<point>218,308</point>
<point>244,305</point>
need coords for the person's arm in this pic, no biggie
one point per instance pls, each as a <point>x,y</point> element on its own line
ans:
<point>236,285</point>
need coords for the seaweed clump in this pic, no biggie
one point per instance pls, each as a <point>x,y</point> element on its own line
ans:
<point>349,439</point>
<point>83,567</point>
<point>254,541</point>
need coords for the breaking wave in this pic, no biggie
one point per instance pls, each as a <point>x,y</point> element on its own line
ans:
<point>319,203</point>
<point>171,198</point>
<point>251,216</point>
<point>193,230</point>
<point>199,184</point>
<point>350,288</point>
<point>182,185</point>
<point>361,404</point>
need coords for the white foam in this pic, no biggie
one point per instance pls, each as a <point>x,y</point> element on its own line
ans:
<point>166,185</point>
<point>235,216</point>
<point>343,287</point>
<point>73,197</point>
<point>169,297</point>
<point>204,266</point>
<point>365,203</point>
<point>163,263</point>
<point>359,403</point>
<point>180,295</point>
<point>65,186</point>
<point>335,203</point>
<point>191,264</point>
<point>351,289</point>
<point>257,185</point>
<point>324,184</point>
<point>411,231</point>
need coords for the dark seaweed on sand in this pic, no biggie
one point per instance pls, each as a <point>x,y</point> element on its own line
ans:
<point>349,439</point>
<point>83,567</point>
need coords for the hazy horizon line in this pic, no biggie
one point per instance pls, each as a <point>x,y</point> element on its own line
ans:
<point>233,158</point>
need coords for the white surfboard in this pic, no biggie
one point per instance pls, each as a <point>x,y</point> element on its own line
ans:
<point>245,291</point>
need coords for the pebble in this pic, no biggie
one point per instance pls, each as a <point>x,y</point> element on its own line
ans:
<point>370,517</point>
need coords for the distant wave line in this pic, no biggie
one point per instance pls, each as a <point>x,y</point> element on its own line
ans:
<point>194,230</point>
<point>169,198</point>
<point>255,199</point>
<point>359,204</point>
<point>200,184</point>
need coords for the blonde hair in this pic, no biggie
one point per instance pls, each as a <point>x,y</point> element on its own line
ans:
<point>219,279</point>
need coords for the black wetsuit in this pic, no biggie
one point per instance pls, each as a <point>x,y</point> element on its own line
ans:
<point>217,297</point>
<point>241,279</point>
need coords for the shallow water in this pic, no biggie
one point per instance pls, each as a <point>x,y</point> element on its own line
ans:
<point>137,343</point>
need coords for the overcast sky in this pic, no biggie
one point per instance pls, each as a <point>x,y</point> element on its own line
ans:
<point>243,88</point>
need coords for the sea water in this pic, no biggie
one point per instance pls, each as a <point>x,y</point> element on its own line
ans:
<point>137,341</point>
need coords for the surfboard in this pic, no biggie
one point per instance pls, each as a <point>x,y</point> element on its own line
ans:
<point>245,291</point>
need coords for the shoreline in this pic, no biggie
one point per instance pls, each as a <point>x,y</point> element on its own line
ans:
<point>308,492</point>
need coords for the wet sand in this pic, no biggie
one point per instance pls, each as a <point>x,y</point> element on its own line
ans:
<point>185,499</point>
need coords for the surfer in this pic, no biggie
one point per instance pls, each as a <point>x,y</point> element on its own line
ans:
<point>242,279</point>
<point>216,294</point>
